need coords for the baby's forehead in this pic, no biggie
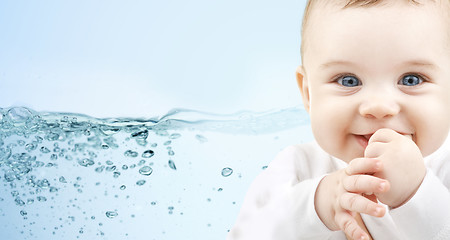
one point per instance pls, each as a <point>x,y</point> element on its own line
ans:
<point>343,4</point>
<point>317,9</point>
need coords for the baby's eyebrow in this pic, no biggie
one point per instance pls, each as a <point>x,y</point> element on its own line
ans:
<point>334,63</point>
<point>420,63</point>
<point>414,63</point>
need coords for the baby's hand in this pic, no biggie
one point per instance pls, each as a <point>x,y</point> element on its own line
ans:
<point>339,196</point>
<point>403,163</point>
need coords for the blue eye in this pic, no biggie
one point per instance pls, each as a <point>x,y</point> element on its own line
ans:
<point>410,80</point>
<point>349,81</point>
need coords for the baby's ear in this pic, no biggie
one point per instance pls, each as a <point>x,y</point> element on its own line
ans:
<point>303,86</point>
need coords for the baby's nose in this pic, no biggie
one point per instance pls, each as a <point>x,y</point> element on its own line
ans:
<point>379,107</point>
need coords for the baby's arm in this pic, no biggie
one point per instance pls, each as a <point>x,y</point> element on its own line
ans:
<point>281,211</point>
<point>280,201</point>
<point>339,196</point>
<point>427,214</point>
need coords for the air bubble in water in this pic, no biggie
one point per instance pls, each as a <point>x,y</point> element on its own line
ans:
<point>62,179</point>
<point>39,139</point>
<point>148,153</point>
<point>85,162</point>
<point>201,138</point>
<point>140,182</point>
<point>141,142</point>
<point>111,142</point>
<point>18,114</point>
<point>146,170</point>
<point>99,169</point>
<point>5,153</point>
<point>19,202</point>
<point>175,136</point>
<point>130,153</point>
<point>141,134</point>
<point>43,183</point>
<point>111,214</point>
<point>51,136</point>
<point>109,130</point>
<point>44,150</point>
<point>170,208</point>
<point>172,165</point>
<point>227,172</point>
<point>123,187</point>
<point>30,146</point>
<point>110,168</point>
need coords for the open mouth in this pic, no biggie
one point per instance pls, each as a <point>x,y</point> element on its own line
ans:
<point>363,140</point>
<point>367,136</point>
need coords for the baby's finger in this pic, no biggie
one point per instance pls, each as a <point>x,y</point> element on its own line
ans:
<point>364,166</point>
<point>365,184</point>
<point>357,203</point>
<point>349,226</point>
<point>374,149</point>
<point>384,135</point>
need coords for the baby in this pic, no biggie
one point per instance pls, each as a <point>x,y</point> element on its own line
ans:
<point>375,80</point>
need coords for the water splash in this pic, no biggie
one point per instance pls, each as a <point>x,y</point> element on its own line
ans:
<point>43,155</point>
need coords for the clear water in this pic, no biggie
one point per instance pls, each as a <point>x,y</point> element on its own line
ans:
<point>180,176</point>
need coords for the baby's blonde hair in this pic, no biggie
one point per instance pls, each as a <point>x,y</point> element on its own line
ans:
<point>312,4</point>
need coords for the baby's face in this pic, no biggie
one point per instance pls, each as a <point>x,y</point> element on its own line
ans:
<point>377,67</point>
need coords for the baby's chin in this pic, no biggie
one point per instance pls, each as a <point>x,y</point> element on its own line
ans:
<point>349,159</point>
<point>349,155</point>
<point>345,152</point>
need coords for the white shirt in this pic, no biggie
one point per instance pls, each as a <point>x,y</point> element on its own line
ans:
<point>279,204</point>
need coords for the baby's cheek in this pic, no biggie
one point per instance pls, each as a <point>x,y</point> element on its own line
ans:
<point>430,141</point>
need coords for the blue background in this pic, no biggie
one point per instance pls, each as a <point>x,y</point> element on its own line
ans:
<point>143,58</point>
